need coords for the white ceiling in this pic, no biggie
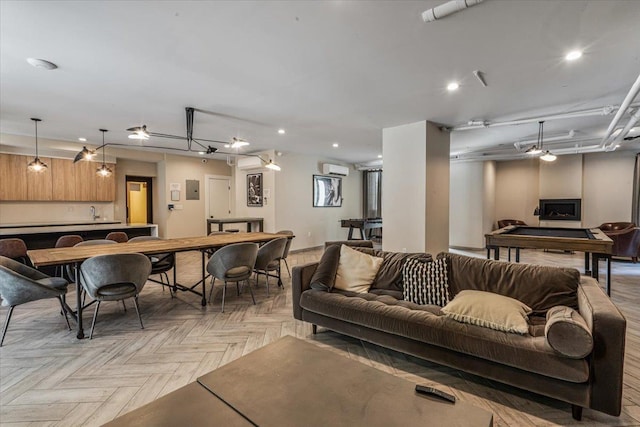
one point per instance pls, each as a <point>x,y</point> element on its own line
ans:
<point>326,71</point>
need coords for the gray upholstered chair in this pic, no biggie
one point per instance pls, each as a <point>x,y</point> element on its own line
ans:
<point>71,271</point>
<point>15,249</point>
<point>118,237</point>
<point>114,277</point>
<point>232,263</point>
<point>160,263</point>
<point>287,247</point>
<point>20,284</point>
<point>268,260</point>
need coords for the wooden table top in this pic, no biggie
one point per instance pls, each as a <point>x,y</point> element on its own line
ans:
<point>601,243</point>
<point>57,256</point>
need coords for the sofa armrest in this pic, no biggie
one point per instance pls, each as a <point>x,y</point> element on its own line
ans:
<point>300,281</point>
<point>608,327</point>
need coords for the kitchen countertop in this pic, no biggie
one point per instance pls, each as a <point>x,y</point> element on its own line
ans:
<point>55,223</point>
<point>69,227</point>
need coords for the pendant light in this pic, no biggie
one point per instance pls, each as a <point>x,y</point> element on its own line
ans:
<point>547,156</point>
<point>37,165</point>
<point>103,170</point>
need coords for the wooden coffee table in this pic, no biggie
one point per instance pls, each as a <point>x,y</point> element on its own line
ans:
<point>296,383</point>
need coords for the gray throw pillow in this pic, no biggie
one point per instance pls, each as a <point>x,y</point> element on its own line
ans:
<point>567,332</point>
<point>325,276</point>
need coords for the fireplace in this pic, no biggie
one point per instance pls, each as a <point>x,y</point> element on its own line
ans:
<point>560,209</point>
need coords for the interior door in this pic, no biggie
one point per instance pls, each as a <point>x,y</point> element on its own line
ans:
<point>139,200</point>
<point>219,197</point>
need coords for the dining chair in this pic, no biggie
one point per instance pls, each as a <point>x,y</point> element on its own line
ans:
<point>287,247</point>
<point>114,277</point>
<point>118,237</point>
<point>268,260</point>
<point>66,241</point>
<point>16,249</point>
<point>20,284</point>
<point>160,263</point>
<point>232,263</point>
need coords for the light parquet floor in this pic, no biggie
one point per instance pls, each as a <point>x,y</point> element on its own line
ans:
<point>48,378</point>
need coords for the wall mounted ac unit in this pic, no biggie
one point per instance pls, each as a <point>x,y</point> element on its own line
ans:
<point>329,169</point>
<point>244,163</point>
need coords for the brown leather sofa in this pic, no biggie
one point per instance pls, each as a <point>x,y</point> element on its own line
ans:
<point>382,317</point>
<point>626,238</point>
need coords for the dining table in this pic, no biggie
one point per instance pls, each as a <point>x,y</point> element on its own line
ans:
<point>76,255</point>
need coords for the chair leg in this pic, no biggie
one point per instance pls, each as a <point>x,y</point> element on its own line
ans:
<point>124,305</point>
<point>6,323</point>
<point>95,316</point>
<point>135,303</point>
<point>266,278</point>
<point>64,310</point>
<point>251,290</point>
<point>213,280</point>
<point>224,293</point>
<point>280,285</point>
<point>287,265</point>
<point>238,288</point>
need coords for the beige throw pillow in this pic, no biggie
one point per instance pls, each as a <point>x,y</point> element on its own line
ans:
<point>489,310</point>
<point>356,270</point>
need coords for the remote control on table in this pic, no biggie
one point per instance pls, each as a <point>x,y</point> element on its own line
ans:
<point>423,389</point>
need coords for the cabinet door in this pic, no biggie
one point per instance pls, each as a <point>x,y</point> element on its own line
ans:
<point>63,173</point>
<point>106,186</point>
<point>13,177</point>
<point>86,180</point>
<point>39,184</point>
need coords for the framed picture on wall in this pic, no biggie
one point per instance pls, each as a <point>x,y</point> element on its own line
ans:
<point>327,191</point>
<point>254,190</point>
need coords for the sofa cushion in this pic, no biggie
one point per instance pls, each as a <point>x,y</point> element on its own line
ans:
<point>567,332</point>
<point>425,323</point>
<point>356,270</point>
<point>540,288</point>
<point>425,282</point>
<point>390,273</point>
<point>325,275</point>
<point>489,310</point>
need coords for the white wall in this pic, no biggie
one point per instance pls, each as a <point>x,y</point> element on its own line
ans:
<point>415,188</point>
<point>607,187</point>
<point>517,190</point>
<point>294,201</point>
<point>472,203</point>
<point>189,221</point>
<point>268,209</point>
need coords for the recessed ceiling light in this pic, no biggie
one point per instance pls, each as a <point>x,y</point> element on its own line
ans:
<point>336,145</point>
<point>379,156</point>
<point>453,86</point>
<point>82,139</point>
<point>227,145</point>
<point>41,63</point>
<point>573,55</point>
<point>201,153</point>
<point>281,131</point>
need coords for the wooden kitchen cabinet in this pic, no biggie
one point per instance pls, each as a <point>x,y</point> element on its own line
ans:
<point>13,177</point>
<point>39,184</point>
<point>63,181</point>
<point>106,185</point>
<point>63,173</point>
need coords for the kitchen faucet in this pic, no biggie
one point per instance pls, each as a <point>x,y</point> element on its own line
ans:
<point>93,213</point>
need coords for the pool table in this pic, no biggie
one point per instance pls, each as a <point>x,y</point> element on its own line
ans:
<point>591,241</point>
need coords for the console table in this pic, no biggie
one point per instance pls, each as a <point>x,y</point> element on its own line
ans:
<point>249,221</point>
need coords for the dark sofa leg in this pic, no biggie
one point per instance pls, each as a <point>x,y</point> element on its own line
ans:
<point>576,412</point>
<point>314,328</point>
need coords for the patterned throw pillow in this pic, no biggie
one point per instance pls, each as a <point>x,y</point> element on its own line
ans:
<point>426,282</point>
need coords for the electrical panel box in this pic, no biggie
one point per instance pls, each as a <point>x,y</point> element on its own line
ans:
<point>193,189</point>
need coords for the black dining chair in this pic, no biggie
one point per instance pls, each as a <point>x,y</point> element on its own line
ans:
<point>160,263</point>
<point>287,247</point>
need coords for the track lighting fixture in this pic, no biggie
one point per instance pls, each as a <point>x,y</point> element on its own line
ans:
<point>84,154</point>
<point>37,165</point>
